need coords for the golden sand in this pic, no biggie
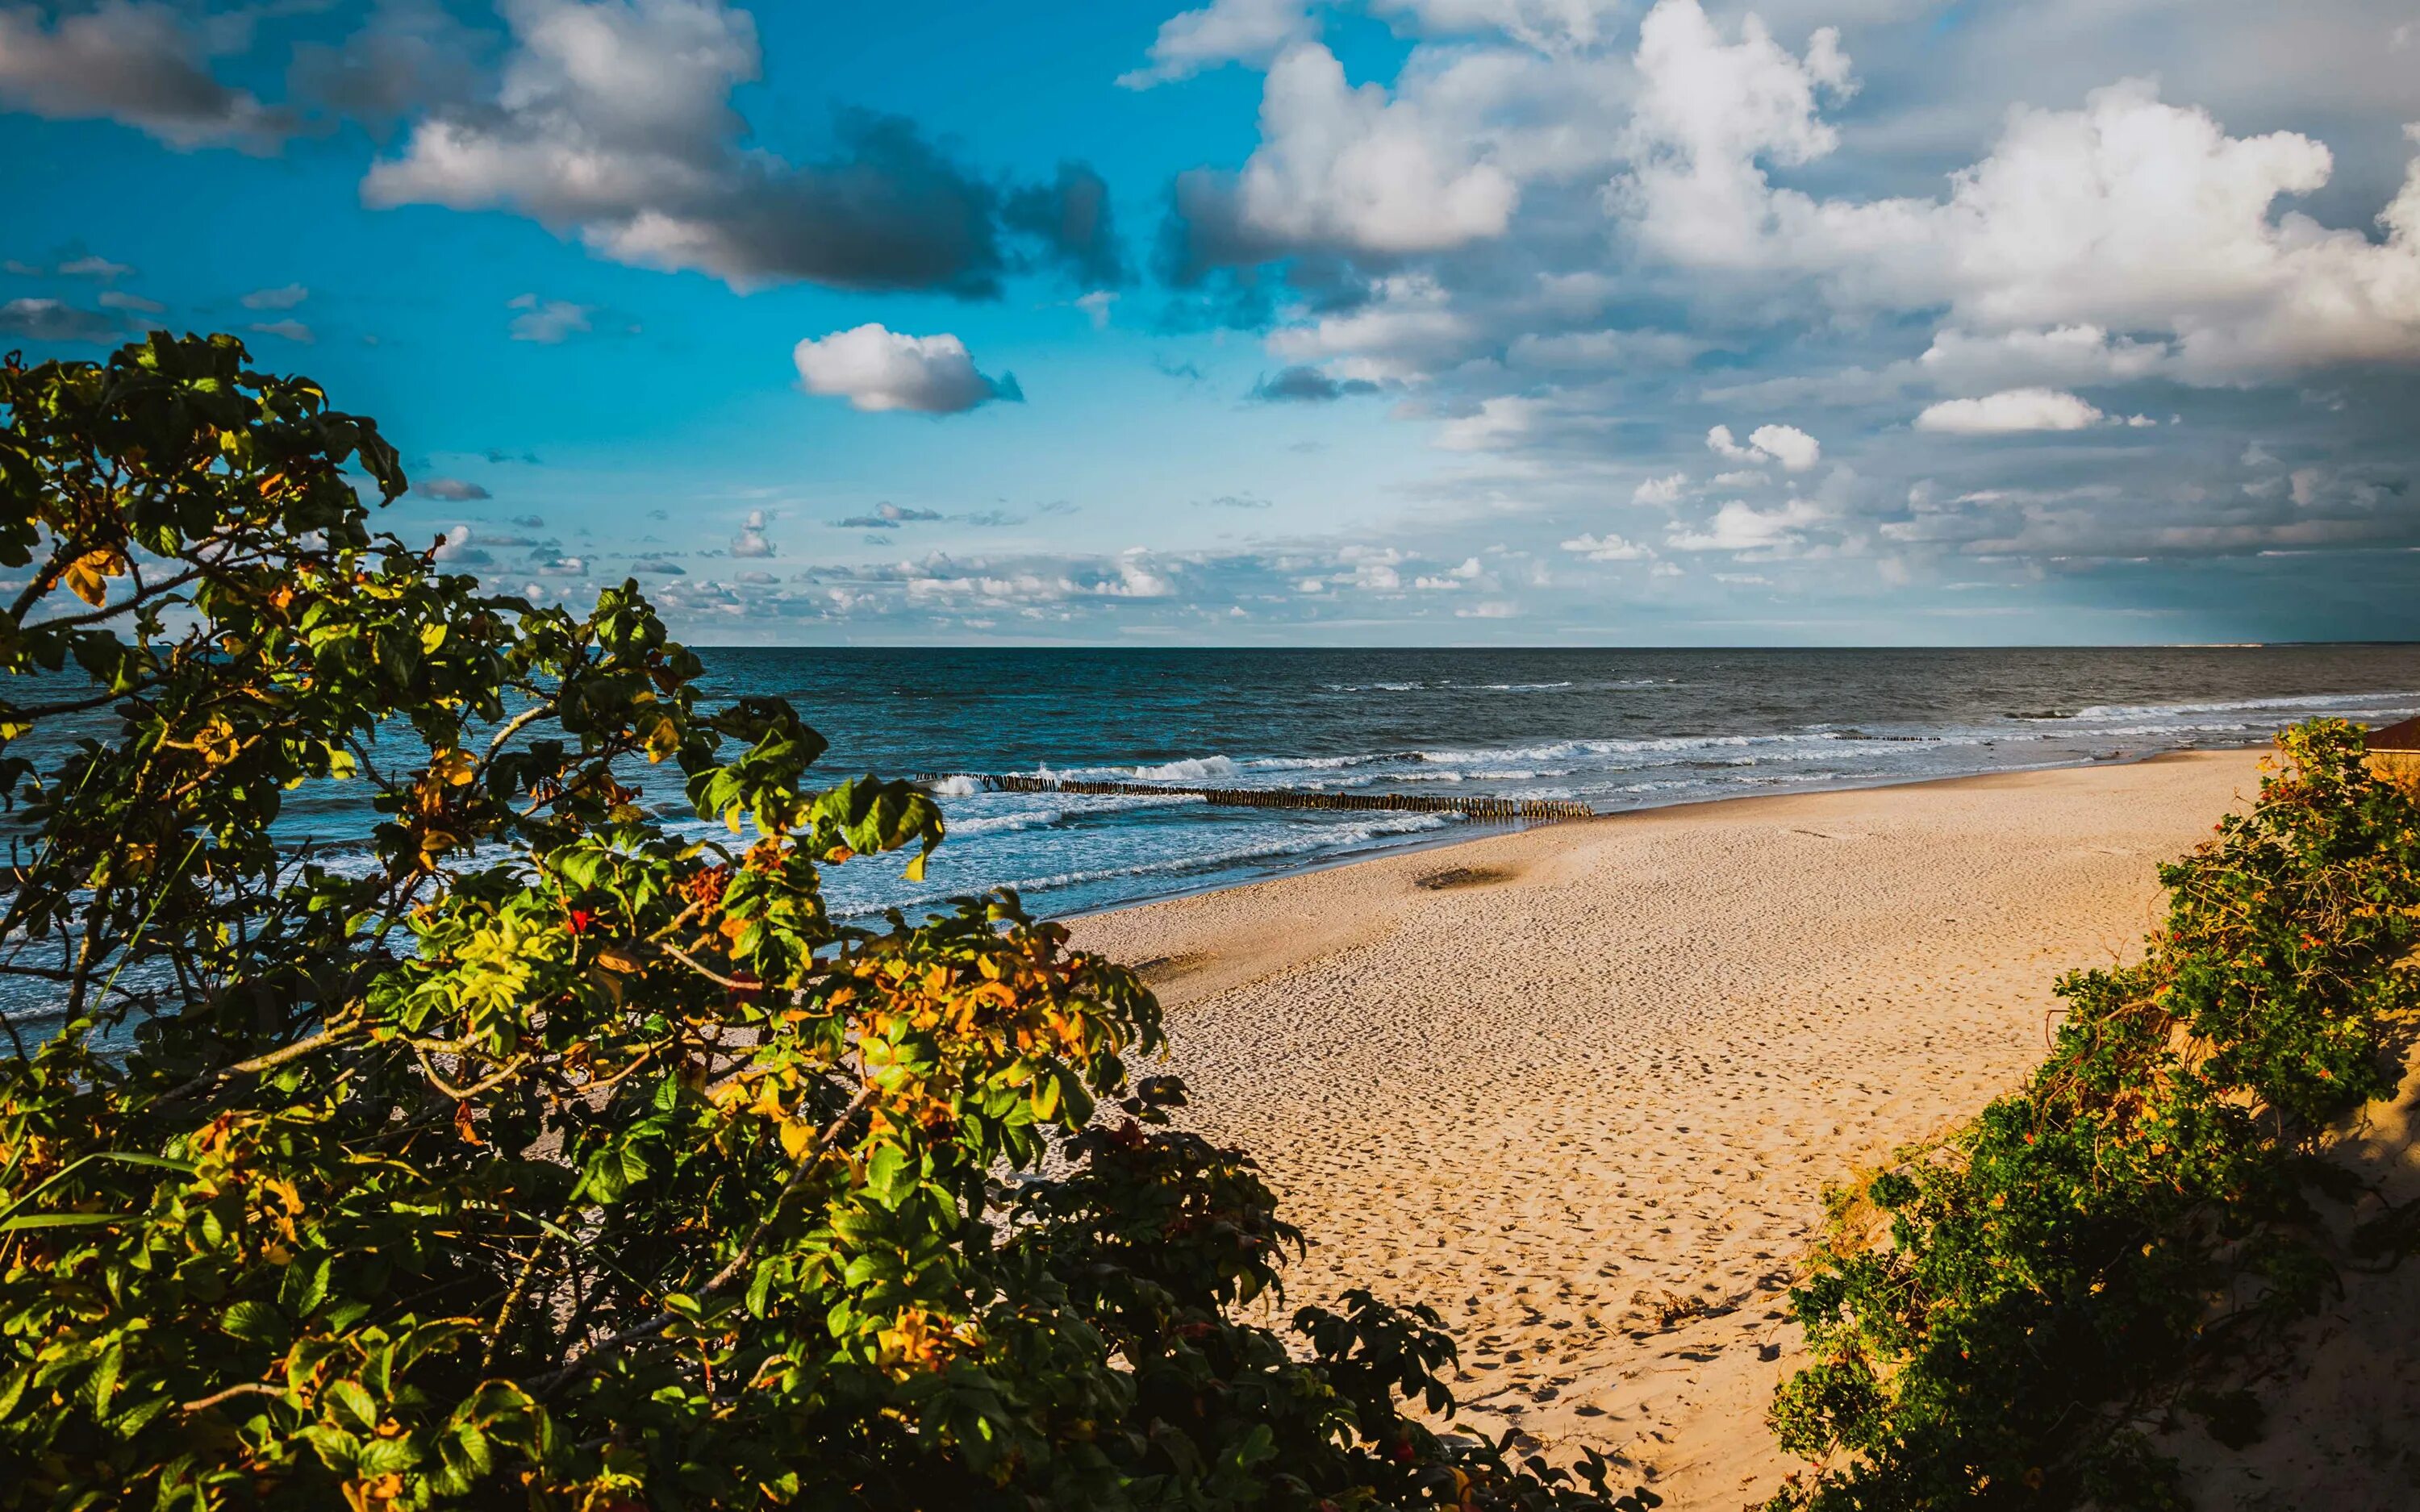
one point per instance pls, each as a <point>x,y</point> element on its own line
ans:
<point>1582,1090</point>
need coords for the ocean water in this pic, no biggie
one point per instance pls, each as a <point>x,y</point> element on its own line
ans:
<point>1616,729</point>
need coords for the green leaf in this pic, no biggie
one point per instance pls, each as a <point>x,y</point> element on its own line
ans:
<point>256,1322</point>
<point>351,1401</point>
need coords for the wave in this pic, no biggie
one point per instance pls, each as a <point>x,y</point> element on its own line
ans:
<point>2380,701</point>
<point>1301,840</point>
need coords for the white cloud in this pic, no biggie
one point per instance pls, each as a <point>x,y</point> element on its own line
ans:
<point>1793,448</point>
<point>548,322</point>
<point>1497,423</point>
<point>1736,527</point>
<point>876,369</point>
<point>1706,111</point>
<point>2009,412</point>
<point>1353,171</point>
<point>1407,329</point>
<point>1663,490</point>
<point>1607,548</point>
<point>1224,31</point>
<point>751,541</point>
<point>2129,215</point>
<point>293,330</point>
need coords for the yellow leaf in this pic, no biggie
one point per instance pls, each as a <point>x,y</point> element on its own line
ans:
<point>795,1136</point>
<point>216,741</point>
<point>452,767</point>
<point>88,577</point>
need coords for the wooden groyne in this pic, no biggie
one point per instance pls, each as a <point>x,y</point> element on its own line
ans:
<point>1547,811</point>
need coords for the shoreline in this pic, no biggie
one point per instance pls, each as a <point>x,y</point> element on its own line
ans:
<point>1485,830</point>
<point>1579,1087</point>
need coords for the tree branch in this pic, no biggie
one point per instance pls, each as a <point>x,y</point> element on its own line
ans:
<point>549,1385</point>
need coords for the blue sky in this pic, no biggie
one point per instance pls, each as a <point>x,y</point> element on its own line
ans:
<point>1405,321</point>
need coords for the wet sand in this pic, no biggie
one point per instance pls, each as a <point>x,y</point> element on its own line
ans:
<point>1580,1087</point>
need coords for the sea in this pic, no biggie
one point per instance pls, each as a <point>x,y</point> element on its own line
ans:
<point>1615,729</point>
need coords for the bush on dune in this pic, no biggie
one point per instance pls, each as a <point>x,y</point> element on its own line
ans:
<point>545,1157</point>
<point>2099,1248</point>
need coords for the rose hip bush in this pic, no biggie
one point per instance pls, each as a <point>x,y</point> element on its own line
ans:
<point>545,1156</point>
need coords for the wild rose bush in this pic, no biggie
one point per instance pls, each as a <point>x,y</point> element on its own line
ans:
<point>2089,1255</point>
<point>546,1157</point>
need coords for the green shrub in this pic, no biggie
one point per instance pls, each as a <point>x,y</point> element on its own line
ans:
<point>2064,1270</point>
<point>547,1159</point>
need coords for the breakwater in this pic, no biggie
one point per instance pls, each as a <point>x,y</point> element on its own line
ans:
<point>1542,811</point>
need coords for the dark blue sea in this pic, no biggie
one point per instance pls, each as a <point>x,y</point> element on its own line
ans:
<point>1618,729</point>
<point>1615,729</point>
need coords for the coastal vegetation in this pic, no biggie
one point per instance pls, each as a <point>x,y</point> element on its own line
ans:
<point>559,1147</point>
<point>550,1153</point>
<point>2001,1319</point>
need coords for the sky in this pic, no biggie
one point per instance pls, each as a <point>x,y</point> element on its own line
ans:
<point>1435,322</point>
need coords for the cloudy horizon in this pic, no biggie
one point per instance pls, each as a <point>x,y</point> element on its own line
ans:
<point>1542,322</point>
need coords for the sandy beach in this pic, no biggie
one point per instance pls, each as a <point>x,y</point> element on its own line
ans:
<point>1580,1087</point>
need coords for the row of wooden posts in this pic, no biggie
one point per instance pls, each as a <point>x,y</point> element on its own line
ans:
<point>1546,809</point>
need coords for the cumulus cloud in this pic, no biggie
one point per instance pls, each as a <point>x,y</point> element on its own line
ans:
<point>1792,448</point>
<point>2009,412</point>
<point>453,490</point>
<point>1224,31</point>
<point>613,123</point>
<point>114,298</point>
<point>750,541</point>
<point>1344,170</point>
<point>877,369</point>
<point>293,330</point>
<point>456,547</point>
<point>139,63</point>
<point>1738,527</point>
<point>1663,490</point>
<point>2128,214</point>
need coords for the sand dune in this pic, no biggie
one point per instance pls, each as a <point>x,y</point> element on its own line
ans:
<point>1580,1087</point>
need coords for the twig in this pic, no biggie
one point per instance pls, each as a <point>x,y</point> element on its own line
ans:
<point>464,1094</point>
<point>708,972</point>
<point>250,1388</point>
<point>549,1385</point>
<point>270,1062</point>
